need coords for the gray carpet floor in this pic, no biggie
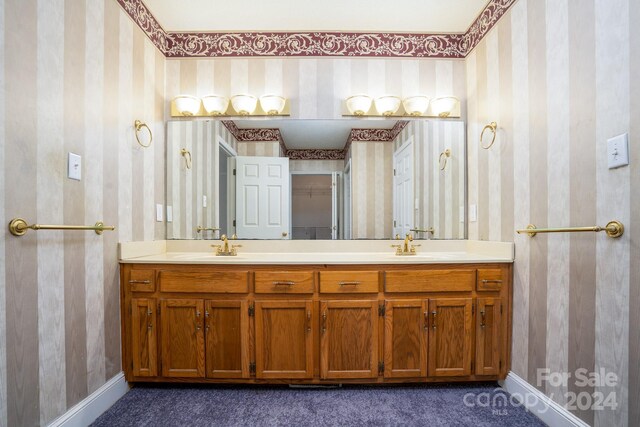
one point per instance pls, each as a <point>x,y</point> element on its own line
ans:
<point>420,405</point>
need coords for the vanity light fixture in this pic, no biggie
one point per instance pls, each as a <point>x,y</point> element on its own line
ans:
<point>272,104</point>
<point>415,105</point>
<point>444,107</point>
<point>187,105</point>
<point>215,105</point>
<point>359,105</point>
<point>387,105</point>
<point>244,105</point>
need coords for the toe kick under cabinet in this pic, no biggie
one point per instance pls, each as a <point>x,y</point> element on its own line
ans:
<point>316,324</point>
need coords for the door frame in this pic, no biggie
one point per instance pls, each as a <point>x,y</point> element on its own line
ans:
<point>408,144</point>
<point>339,174</point>
<point>231,154</point>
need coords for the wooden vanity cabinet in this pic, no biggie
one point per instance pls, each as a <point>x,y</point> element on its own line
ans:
<point>284,339</point>
<point>144,337</point>
<point>182,337</point>
<point>349,339</point>
<point>316,323</point>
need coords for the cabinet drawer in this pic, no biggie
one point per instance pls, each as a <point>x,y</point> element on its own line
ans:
<point>455,280</point>
<point>348,282</point>
<point>284,282</point>
<point>489,279</point>
<point>206,281</point>
<point>142,280</point>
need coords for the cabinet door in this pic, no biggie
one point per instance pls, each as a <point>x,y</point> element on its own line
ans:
<point>488,337</point>
<point>349,343</point>
<point>450,337</point>
<point>227,339</point>
<point>405,338</point>
<point>182,337</point>
<point>143,337</point>
<point>284,339</point>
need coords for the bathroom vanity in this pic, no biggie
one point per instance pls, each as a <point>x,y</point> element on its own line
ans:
<point>352,314</point>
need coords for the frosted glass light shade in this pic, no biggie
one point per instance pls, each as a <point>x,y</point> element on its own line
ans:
<point>187,105</point>
<point>272,104</point>
<point>244,104</point>
<point>358,105</point>
<point>443,107</point>
<point>387,105</point>
<point>215,105</point>
<point>415,105</point>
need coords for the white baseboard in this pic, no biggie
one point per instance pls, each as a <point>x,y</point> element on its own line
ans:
<point>550,412</point>
<point>94,405</point>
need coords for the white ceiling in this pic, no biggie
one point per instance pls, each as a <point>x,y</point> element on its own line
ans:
<point>421,16</point>
<point>315,134</point>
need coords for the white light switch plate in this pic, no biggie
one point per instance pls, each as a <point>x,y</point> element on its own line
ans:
<point>618,151</point>
<point>74,170</point>
<point>159,209</point>
<point>169,213</point>
<point>204,201</point>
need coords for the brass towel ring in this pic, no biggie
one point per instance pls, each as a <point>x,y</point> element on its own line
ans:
<point>444,155</point>
<point>186,153</point>
<point>491,126</point>
<point>139,125</point>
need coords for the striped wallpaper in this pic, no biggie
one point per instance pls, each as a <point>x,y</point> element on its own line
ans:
<point>186,187</point>
<point>73,77</point>
<point>557,78</point>
<point>259,148</point>
<point>439,193</point>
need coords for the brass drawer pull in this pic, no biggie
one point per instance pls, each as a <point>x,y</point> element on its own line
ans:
<point>139,282</point>
<point>485,281</point>
<point>284,283</point>
<point>348,283</point>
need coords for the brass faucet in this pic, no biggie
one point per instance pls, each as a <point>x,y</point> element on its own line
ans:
<point>225,249</point>
<point>406,248</point>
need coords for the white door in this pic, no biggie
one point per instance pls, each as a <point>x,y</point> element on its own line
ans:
<point>403,190</point>
<point>335,205</point>
<point>262,197</point>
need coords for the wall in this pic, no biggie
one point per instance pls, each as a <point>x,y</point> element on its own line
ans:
<point>186,187</point>
<point>73,77</point>
<point>259,148</point>
<point>316,87</point>
<point>439,193</point>
<point>556,76</point>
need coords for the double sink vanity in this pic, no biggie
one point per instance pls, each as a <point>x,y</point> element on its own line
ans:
<point>316,312</point>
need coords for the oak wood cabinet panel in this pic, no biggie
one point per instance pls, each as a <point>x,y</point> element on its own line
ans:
<point>204,281</point>
<point>450,337</point>
<point>142,280</point>
<point>182,341</point>
<point>448,280</point>
<point>348,282</point>
<point>227,338</point>
<point>349,340</point>
<point>488,336</point>
<point>284,339</point>
<point>287,282</point>
<point>143,337</point>
<point>490,279</point>
<point>405,338</point>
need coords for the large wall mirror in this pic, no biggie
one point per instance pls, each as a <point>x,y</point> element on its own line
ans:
<point>316,179</point>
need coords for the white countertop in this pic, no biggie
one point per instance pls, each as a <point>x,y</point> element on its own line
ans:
<point>260,252</point>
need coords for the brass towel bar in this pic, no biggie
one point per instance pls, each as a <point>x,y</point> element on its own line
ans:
<point>19,227</point>
<point>613,229</point>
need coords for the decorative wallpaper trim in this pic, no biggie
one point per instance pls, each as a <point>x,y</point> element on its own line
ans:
<point>247,44</point>
<point>274,134</point>
<point>316,154</point>
<point>385,135</point>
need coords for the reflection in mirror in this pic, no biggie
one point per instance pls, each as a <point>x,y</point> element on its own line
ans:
<point>316,179</point>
